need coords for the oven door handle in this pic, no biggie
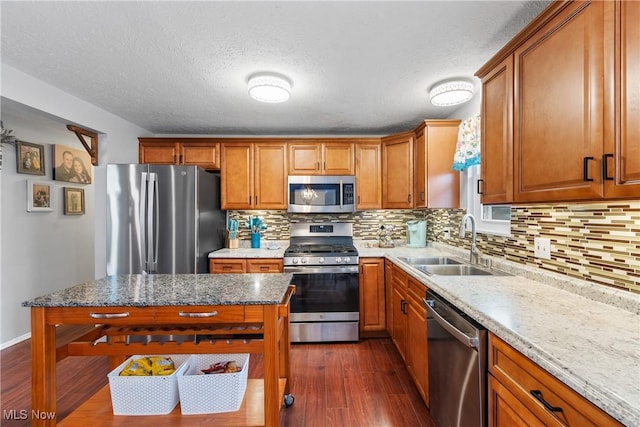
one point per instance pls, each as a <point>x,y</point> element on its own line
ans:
<point>322,269</point>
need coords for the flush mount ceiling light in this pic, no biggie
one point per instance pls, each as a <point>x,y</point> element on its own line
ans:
<point>269,88</point>
<point>453,92</point>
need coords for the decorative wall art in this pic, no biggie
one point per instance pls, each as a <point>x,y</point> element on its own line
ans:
<point>40,196</point>
<point>71,165</point>
<point>73,201</point>
<point>30,158</point>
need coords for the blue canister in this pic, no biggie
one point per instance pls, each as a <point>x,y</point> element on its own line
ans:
<point>255,240</point>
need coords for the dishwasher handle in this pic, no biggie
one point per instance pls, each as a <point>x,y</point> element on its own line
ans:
<point>471,342</point>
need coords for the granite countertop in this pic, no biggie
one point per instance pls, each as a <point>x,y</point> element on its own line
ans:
<point>267,249</point>
<point>170,290</point>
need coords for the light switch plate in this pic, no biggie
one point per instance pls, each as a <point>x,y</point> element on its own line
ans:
<point>542,248</point>
<point>447,233</point>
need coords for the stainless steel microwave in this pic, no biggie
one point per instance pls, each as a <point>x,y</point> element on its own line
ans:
<point>321,194</point>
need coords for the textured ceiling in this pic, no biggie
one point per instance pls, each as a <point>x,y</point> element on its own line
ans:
<point>358,67</point>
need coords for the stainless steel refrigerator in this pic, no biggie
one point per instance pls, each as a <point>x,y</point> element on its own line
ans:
<point>162,219</point>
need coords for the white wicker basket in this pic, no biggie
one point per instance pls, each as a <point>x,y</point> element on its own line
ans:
<point>146,395</point>
<point>212,393</point>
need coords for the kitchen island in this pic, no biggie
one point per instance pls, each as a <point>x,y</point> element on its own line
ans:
<point>241,313</point>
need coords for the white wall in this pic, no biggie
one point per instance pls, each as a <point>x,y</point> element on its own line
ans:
<point>44,252</point>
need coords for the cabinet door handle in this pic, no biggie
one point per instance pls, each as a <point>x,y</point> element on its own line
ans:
<point>585,168</point>
<point>605,167</point>
<point>109,315</point>
<point>478,183</point>
<point>317,166</point>
<point>181,159</point>
<point>408,198</point>
<point>187,314</point>
<point>422,196</point>
<point>256,198</point>
<point>538,395</point>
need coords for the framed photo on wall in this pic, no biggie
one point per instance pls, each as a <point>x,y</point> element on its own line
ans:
<point>71,165</point>
<point>30,158</point>
<point>40,196</point>
<point>73,201</point>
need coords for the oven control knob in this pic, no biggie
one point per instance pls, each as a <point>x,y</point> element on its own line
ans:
<point>321,260</point>
<point>303,260</point>
<point>338,259</point>
<point>295,260</point>
<point>347,260</point>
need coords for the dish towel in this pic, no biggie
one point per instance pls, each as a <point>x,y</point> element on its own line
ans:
<point>468,147</point>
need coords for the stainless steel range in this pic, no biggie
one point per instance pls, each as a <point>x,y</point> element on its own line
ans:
<point>324,263</point>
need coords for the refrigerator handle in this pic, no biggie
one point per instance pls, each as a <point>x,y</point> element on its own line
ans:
<point>143,220</point>
<point>149,222</point>
<point>156,234</point>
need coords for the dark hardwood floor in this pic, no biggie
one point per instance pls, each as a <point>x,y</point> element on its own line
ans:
<point>362,384</point>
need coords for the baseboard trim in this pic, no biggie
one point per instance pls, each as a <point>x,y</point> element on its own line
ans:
<point>15,341</point>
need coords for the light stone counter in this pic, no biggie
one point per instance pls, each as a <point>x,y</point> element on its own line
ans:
<point>587,335</point>
<point>268,249</point>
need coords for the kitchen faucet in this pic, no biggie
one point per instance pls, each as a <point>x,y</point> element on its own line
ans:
<point>474,253</point>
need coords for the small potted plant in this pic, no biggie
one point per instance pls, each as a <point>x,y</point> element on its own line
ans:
<point>5,138</point>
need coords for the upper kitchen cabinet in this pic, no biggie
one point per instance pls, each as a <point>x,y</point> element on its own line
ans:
<point>253,175</point>
<point>203,152</point>
<point>621,160</point>
<point>368,175</point>
<point>436,184</point>
<point>397,171</point>
<point>315,157</point>
<point>575,103</point>
<point>496,184</point>
<point>558,109</point>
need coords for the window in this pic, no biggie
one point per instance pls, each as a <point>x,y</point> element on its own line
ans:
<point>490,219</point>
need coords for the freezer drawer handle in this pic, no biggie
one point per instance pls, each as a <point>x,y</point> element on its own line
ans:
<point>187,314</point>
<point>109,315</point>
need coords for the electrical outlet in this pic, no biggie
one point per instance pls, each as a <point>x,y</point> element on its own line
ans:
<point>542,248</point>
<point>446,233</point>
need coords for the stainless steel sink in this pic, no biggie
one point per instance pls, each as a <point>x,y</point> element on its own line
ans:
<point>439,260</point>
<point>458,270</point>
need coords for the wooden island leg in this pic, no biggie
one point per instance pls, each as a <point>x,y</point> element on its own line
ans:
<point>43,369</point>
<point>271,367</point>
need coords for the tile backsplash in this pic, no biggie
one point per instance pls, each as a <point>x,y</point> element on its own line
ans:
<point>598,242</point>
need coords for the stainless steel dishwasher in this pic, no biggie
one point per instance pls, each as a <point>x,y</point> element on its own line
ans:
<point>457,348</point>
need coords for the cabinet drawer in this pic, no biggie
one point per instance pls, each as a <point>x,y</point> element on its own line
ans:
<point>217,266</point>
<point>416,290</point>
<point>103,315</point>
<point>264,266</point>
<point>521,376</point>
<point>208,314</point>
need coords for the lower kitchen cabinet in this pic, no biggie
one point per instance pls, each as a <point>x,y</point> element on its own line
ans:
<point>408,326</point>
<point>242,265</point>
<point>416,345</point>
<point>372,295</point>
<point>523,394</point>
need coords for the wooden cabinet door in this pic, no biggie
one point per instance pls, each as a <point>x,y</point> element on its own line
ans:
<point>236,176</point>
<point>621,161</point>
<point>368,176</point>
<point>505,410</point>
<point>270,174</point>
<point>338,158</point>
<point>305,159</point>
<point>558,134</point>
<point>496,185</point>
<point>372,296</point>
<point>158,152</point>
<point>416,346</point>
<point>399,304</point>
<point>205,155</point>
<point>397,171</point>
